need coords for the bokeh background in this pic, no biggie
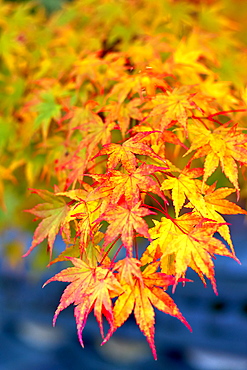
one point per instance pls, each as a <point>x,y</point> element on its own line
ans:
<point>28,340</point>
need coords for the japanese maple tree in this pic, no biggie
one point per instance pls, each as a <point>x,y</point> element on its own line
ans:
<point>128,110</point>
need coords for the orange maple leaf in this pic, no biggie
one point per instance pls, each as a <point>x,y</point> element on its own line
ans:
<point>128,268</point>
<point>115,183</point>
<point>126,153</point>
<point>90,288</point>
<point>141,296</point>
<point>85,213</point>
<point>124,220</point>
<point>123,112</point>
<point>173,107</point>
<point>94,132</point>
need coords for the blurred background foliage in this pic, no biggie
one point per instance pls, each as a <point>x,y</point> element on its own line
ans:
<point>44,42</point>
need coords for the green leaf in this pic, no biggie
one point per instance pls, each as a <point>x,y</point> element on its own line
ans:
<point>47,110</point>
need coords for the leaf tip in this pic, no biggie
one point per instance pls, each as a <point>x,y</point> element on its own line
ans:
<point>236,259</point>
<point>25,254</point>
<point>54,320</point>
<point>185,322</point>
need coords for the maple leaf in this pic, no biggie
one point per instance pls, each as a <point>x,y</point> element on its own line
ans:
<point>115,184</point>
<point>191,240</point>
<point>128,268</point>
<point>215,199</point>
<point>186,59</point>
<point>47,110</point>
<point>221,146</point>
<point>220,90</point>
<point>124,220</point>
<point>95,132</point>
<point>91,253</point>
<point>171,137</point>
<point>85,213</point>
<point>76,166</point>
<point>184,186</point>
<point>89,127</point>
<point>215,204</point>
<point>90,288</point>
<point>140,84</point>
<point>78,162</point>
<point>173,106</point>
<point>126,153</point>
<point>54,213</point>
<point>164,231</point>
<point>141,296</point>
<point>122,113</point>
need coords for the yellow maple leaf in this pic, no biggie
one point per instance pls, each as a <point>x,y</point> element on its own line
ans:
<point>185,186</point>
<point>222,146</point>
<point>215,205</point>
<point>173,106</point>
<point>190,239</point>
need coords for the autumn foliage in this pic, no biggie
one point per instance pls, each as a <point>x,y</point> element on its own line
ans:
<point>122,117</point>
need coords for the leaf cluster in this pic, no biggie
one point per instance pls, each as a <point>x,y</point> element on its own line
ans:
<point>122,112</point>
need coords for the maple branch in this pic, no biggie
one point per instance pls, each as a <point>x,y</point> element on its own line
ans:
<point>94,165</point>
<point>226,112</point>
<point>201,120</point>
<point>210,117</point>
<point>109,249</point>
<point>115,256</point>
<point>162,208</point>
<point>156,178</point>
<point>135,245</point>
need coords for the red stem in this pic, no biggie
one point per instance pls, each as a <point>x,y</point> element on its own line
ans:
<point>109,249</point>
<point>163,209</point>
